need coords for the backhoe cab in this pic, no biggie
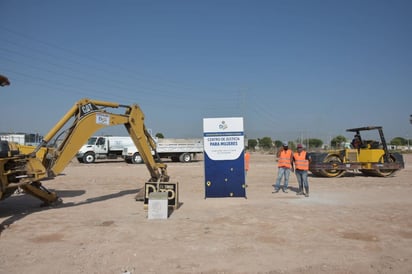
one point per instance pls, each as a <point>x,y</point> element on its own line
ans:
<point>370,157</point>
<point>25,166</point>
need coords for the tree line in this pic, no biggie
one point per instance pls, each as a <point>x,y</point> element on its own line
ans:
<point>266,143</point>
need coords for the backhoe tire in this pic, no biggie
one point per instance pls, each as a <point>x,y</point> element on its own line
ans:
<point>185,158</point>
<point>137,159</point>
<point>89,158</point>
<point>80,160</point>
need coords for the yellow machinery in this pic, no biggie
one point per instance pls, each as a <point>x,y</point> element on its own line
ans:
<point>372,158</point>
<point>25,166</point>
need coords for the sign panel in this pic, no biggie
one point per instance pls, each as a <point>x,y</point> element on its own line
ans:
<point>170,188</point>
<point>103,119</point>
<point>223,141</point>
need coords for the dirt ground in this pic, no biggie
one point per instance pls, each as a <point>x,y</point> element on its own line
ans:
<point>353,224</point>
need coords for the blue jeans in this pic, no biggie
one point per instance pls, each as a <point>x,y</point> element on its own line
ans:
<point>302,176</point>
<point>282,172</point>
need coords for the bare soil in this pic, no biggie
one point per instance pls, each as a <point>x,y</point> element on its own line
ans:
<point>353,224</point>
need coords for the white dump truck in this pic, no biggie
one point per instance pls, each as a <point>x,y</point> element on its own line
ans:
<point>177,150</point>
<point>103,147</point>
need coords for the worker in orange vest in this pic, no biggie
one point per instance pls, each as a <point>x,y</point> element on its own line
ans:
<point>247,160</point>
<point>285,164</point>
<point>301,161</point>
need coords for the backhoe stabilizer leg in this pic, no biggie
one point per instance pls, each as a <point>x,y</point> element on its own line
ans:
<point>37,190</point>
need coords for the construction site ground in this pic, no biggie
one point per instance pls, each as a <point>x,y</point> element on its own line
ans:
<point>353,224</point>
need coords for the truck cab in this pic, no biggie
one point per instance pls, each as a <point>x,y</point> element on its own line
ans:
<point>103,147</point>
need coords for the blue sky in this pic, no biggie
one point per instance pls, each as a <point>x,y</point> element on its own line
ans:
<point>292,69</point>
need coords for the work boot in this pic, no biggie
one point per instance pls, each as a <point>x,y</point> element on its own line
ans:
<point>306,192</point>
<point>285,190</point>
<point>276,191</point>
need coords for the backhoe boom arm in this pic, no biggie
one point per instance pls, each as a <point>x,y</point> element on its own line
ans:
<point>86,117</point>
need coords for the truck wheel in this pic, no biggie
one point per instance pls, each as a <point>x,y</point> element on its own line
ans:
<point>185,157</point>
<point>128,160</point>
<point>89,158</point>
<point>137,159</point>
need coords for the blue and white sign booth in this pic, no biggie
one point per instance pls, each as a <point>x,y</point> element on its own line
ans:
<point>224,157</point>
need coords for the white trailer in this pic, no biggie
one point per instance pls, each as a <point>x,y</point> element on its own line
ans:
<point>177,150</point>
<point>103,147</point>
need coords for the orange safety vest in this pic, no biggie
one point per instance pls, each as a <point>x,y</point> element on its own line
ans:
<point>247,159</point>
<point>284,158</point>
<point>300,161</point>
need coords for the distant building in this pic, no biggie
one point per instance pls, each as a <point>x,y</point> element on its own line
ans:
<point>17,138</point>
<point>22,138</point>
<point>401,148</point>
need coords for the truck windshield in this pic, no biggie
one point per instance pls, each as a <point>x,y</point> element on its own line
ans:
<point>92,141</point>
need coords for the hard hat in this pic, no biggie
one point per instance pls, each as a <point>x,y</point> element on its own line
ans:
<point>285,144</point>
<point>299,146</point>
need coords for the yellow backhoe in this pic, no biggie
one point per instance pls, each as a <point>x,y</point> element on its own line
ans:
<point>25,167</point>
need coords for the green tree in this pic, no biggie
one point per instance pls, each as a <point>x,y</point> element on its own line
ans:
<point>313,142</point>
<point>292,145</point>
<point>159,135</point>
<point>278,143</point>
<point>252,143</point>
<point>399,141</point>
<point>336,141</point>
<point>265,143</point>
